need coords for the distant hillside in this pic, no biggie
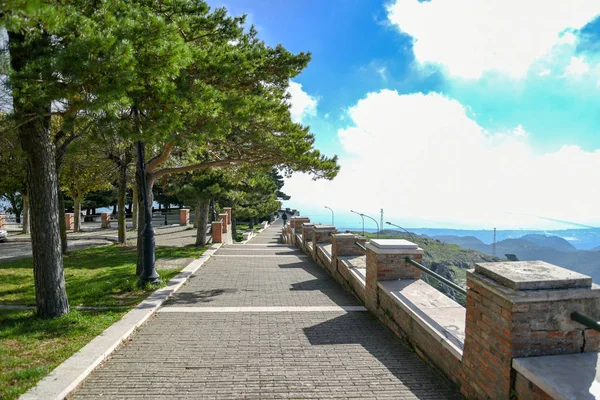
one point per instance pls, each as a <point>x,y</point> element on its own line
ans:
<point>582,239</point>
<point>449,260</point>
<point>462,241</point>
<point>555,242</point>
<point>596,248</point>
<point>583,261</point>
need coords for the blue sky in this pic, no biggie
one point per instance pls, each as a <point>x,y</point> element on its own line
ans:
<point>456,113</point>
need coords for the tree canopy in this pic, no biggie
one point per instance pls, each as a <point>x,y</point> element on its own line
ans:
<point>195,87</point>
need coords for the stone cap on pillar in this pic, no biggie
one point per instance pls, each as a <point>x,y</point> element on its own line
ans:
<point>346,235</point>
<point>393,246</point>
<point>533,281</point>
<point>226,208</point>
<point>324,227</point>
<point>533,275</point>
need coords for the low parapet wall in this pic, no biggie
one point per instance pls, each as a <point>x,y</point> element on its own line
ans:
<point>516,313</point>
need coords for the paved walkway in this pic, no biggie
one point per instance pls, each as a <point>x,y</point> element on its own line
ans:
<point>262,321</point>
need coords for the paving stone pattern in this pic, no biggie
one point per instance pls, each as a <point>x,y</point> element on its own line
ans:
<point>263,355</point>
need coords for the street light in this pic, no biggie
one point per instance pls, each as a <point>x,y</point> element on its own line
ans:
<point>398,226</point>
<point>149,274</point>
<point>363,220</point>
<point>330,209</point>
<point>374,220</point>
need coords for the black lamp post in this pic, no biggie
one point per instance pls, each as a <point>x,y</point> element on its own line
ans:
<point>332,220</point>
<point>363,220</point>
<point>398,226</point>
<point>149,274</point>
<point>374,220</point>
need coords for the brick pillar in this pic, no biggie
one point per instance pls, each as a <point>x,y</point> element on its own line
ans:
<point>521,309</point>
<point>227,210</point>
<point>307,232</point>
<point>105,220</point>
<point>184,217</point>
<point>321,234</point>
<point>296,222</point>
<point>70,221</point>
<point>343,245</point>
<point>217,232</point>
<point>2,222</point>
<point>223,217</point>
<point>386,260</point>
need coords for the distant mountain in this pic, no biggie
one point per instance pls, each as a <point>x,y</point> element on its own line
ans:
<point>596,248</point>
<point>582,261</point>
<point>582,239</point>
<point>554,242</point>
<point>462,241</point>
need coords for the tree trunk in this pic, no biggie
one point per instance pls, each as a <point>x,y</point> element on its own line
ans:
<point>42,181</point>
<point>141,216</point>
<point>114,211</point>
<point>196,216</point>
<point>233,227</point>
<point>202,220</point>
<point>61,220</point>
<point>77,213</point>
<point>25,214</point>
<point>251,223</point>
<point>121,204</point>
<point>135,206</point>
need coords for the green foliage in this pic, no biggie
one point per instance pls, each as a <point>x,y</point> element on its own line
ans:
<point>13,168</point>
<point>85,169</point>
<point>511,257</point>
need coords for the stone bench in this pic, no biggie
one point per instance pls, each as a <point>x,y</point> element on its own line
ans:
<point>247,235</point>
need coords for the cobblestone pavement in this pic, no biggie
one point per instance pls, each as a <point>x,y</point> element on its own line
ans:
<point>237,354</point>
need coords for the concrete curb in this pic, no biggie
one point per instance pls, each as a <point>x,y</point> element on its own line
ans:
<point>68,375</point>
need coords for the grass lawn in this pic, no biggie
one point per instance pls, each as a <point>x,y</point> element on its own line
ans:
<point>31,347</point>
<point>241,228</point>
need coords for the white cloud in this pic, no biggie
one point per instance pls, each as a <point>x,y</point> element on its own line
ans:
<point>470,37</point>
<point>382,73</point>
<point>301,104</point>
<point>422,158</point>
<point>545,72</point>
<point>577,67</point>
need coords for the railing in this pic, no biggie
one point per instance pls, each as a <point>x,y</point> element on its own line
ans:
<point>436,276</point>
<point>360,246</point>
<point>427,272</point>
<point>585,321</point>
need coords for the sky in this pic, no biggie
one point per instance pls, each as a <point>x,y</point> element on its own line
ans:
<point>445,113</point>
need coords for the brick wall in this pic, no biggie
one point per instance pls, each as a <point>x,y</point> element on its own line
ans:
<point>343,245</point>
<point>527,390</point>
<point>503,324</point>
<point>427,346</point>
<point>217,232</point>
<point>184,217</point>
